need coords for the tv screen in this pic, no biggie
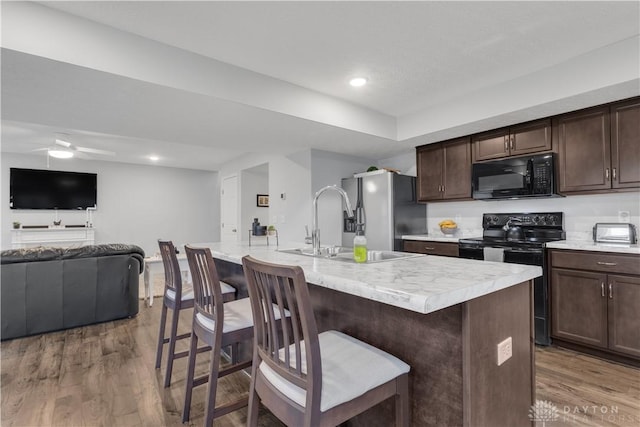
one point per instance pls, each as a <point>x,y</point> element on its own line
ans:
<point>47,189</point>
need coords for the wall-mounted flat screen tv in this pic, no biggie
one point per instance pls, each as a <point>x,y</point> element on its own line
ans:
<point>47,189</point>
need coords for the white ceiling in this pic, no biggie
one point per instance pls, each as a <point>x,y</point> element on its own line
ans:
<point>418,56</point>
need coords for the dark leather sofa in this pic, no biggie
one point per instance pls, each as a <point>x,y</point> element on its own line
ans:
<point>47,289</point>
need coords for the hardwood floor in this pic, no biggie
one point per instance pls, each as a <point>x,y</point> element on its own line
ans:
<point>587,391</point>
<point>104,375</point>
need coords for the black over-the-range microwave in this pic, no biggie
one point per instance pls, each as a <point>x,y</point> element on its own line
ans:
<point>515,177</point>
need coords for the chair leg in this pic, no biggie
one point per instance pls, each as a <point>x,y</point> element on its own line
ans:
<point>212,387</point>
<point>234,353</point>
<point>254,399</point>
<point>402,401</point>
<point>172,346</point>
<point>163,321</point>
<point>193,352</point>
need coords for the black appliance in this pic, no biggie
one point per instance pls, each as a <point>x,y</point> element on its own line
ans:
<point>522,236</point>
<point>514,177</point>
<point>47,189</point>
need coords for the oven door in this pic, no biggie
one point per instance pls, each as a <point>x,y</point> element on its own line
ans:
<point>540,288</point>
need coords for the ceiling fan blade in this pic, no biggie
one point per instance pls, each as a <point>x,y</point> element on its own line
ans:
<point>62,143</point>
<point>95,151</point>
<point>41,149</point>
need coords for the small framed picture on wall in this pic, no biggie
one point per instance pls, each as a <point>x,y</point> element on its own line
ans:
<point>262,200</point>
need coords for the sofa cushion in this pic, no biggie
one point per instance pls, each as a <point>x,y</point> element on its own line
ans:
<point>45,253</point>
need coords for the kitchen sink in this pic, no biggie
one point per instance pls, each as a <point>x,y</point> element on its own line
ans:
<point>344,254</point>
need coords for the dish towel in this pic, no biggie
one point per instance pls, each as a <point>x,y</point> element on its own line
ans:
<point>494,254</point>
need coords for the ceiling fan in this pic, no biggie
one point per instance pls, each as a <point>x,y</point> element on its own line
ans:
<point>63,149</point>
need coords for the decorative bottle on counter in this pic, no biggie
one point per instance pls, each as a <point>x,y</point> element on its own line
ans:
<point>360,246</point>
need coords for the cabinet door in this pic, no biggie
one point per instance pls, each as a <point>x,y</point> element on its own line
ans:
<point>579,307</point>
<point>429,165</point>
<point>624,314</point>
<point>457,169</point>
<point>491,145</point>
<point>584,150</point>
<point>625,144</point>
<point>531,137</point>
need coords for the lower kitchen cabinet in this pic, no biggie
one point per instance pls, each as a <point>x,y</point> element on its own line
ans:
<point>595,301</point>
<point>579,307</point>
<point>624,314</point>
<point>431,248</point>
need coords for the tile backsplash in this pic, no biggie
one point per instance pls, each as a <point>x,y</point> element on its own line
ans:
<point>580,212</point>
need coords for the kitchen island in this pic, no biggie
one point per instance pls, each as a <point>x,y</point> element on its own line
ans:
<point>443,316</point>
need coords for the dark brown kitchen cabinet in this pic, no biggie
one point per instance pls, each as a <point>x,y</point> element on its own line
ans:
<point>625,144</point>
<point>431,248</point>
<point>444,170</point>
<point>599,148</point>
<point>579,307</point>
<point>624,315</point>
<point>595,301</point>
<point>527,138</point>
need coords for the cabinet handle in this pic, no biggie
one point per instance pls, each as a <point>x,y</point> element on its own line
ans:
<point>607,263</point>
<point>429,248</point>
<point>506,144</point>
<point>606,173</point>
<point>511,143</point>
<point>602,288</point>
<point>613,172</point>
<point>610,291</point>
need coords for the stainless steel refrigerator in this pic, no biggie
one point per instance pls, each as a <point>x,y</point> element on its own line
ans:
<point>390,209</point>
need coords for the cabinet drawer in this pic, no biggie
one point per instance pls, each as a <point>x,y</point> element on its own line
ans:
<point>431,248</point>
<point>596,261</point>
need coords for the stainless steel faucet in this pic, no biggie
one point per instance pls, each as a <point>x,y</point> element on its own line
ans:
<point>315,231</point>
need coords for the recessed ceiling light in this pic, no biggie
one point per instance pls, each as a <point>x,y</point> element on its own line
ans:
<point>358,81</point>
<point>154,158</point>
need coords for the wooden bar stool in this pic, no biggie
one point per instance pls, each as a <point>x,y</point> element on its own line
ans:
<point>218,324</point>
<point>176,298</point>
<point>310,379</point>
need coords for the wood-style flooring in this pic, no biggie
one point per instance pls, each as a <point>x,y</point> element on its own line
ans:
<point>104,375</point>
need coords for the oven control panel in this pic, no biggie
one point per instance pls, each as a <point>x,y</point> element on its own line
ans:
<point>537,219</point>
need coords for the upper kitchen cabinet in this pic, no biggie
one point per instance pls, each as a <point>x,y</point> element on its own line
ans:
<point>625,144</point>
<point>599,148</point>
<point>584,153</point>
<point>444,170</point>
<point>527,138</point>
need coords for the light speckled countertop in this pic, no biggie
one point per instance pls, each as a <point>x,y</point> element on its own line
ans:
<point>589,245</point>
<point>424,283</point>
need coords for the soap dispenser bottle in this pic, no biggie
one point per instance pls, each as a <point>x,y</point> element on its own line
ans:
<point>360,246</point>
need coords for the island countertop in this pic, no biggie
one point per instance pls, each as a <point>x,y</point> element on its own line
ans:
<point>423,283</point>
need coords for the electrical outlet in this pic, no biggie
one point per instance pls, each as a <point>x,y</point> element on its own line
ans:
<point>505,351</point>
<point>623,216</point>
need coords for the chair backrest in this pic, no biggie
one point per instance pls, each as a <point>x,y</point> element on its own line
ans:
<point>276,288</point>
<point>205,284</point>
<point>172,276</point>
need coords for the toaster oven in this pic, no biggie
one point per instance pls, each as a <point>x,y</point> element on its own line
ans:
<point>614,232</point>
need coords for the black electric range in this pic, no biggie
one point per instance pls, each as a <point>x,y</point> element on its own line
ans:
<point>522,238</point>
